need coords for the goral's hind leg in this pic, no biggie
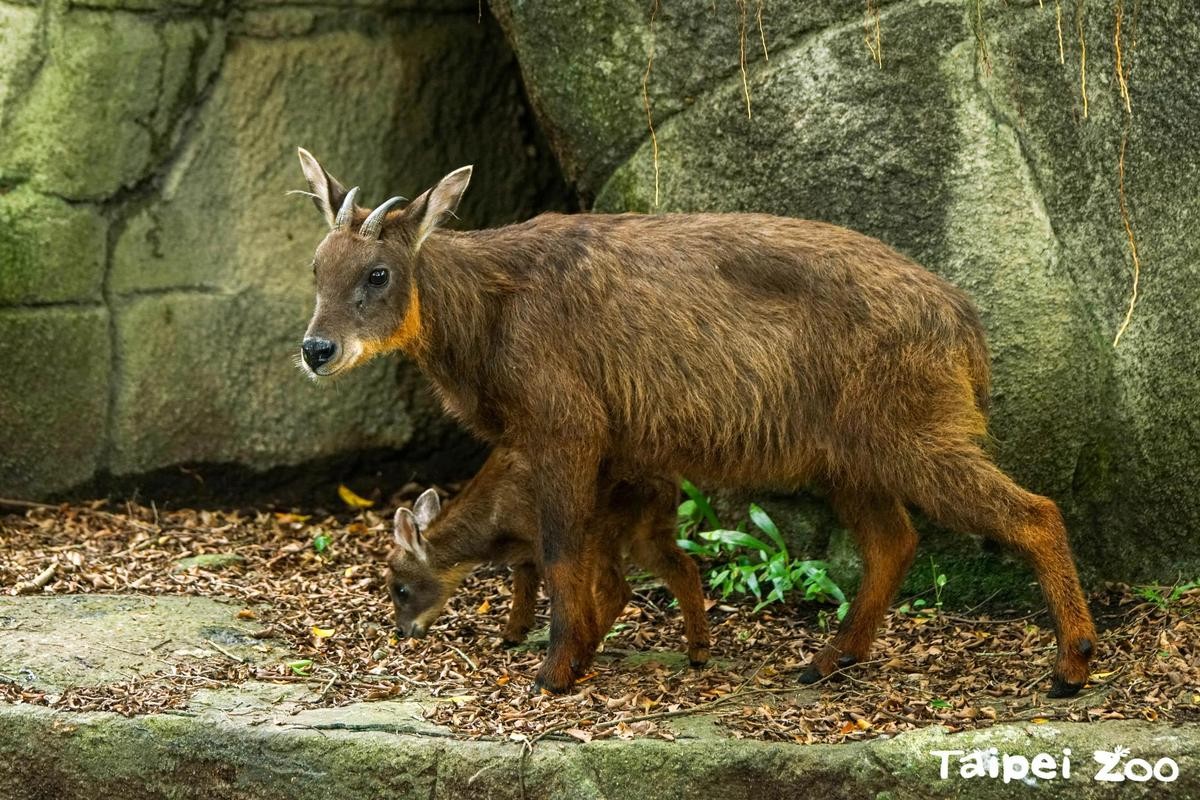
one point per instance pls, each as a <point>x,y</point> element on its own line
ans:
<point>887,542</point>
<point>658,553</point>
<point>525,582</point>
<point>612,593</point>
<point>965,491</point>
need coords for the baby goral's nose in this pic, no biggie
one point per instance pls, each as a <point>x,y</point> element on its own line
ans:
<point>318,351</point>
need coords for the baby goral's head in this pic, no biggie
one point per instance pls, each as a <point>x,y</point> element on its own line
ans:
<point>418,588</point>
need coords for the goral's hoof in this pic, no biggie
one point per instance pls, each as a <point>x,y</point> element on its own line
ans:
<point>698,657</point>
<point>582,667</point>
<point>545,684</point>
<point>547,688</point>
<point>811,675</point>
<point>1061,688</point>
<point>814,673</point>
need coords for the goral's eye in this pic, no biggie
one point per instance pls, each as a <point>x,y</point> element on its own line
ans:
<point>378,277</point>
<point>401,591</point>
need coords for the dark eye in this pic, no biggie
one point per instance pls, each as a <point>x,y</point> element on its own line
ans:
<point>378,277</point>
<point>401,591</point>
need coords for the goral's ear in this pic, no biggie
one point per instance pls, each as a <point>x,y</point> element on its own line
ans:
<point>426,509</point>
<point>437,205</point>
<point>326,191</point>
<point>407,534</point>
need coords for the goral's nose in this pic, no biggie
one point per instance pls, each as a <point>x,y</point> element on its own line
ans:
<point>318,352</point>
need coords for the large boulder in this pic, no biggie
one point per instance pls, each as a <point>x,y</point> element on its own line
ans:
<point>153,271</point>
<point>967,149</point>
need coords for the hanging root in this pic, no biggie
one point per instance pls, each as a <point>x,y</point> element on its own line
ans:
<point>1124,67</point>
<point>742,54</point>
<point>1082,55</point>
<point>762,33</point>
<point>873,36</point>
<point>981,40</point>
<point>1122,83</point>
<point>1062,56</point>
<point>1137,264</point>
<point>646,97</point>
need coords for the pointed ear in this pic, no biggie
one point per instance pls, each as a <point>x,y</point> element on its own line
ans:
<point>427,507</point>
<point>327,191</point>
<point>440,202</point>
<point>407,534</point>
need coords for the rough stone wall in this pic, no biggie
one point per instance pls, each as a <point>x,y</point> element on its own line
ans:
<point>982,168</point>
<point>153,273</point>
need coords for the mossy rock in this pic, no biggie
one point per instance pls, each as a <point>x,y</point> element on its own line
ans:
<point>53,437</point>
<point>50,251</point>
<point>149,149</point>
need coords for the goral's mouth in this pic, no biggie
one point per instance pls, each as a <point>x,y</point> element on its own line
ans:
<point>325,372</point>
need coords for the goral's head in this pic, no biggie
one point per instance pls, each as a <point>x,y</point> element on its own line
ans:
<point>367,298</point>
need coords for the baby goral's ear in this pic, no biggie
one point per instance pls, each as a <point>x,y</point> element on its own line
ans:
<point>407,534</point>
<point>427,507</point>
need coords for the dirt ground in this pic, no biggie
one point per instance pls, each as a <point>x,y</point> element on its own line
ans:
<point>314,582</point>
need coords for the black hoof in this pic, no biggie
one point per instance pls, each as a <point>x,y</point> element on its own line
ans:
<point>542,688</point>
<point>811,675</point>
<point>1061,688</point>
<point>846,661</point>
<point>509,644</point>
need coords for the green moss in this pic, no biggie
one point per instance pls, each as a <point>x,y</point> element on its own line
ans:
<point>20,46</point>
<point>54,397</point>
<point>987,579</point>
<point>71,146</point>
<point>182,399</point>
<point>93,755</point>
<point>50,251</point>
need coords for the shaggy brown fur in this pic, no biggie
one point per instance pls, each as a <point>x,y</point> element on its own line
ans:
<point>494,520</point>
<point>737,349</point>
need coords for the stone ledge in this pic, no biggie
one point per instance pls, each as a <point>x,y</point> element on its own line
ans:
<point>265,739</point>
<point>99,755</point>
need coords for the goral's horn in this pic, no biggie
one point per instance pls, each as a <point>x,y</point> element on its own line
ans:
<point>345,214</point>
<point>372,227</point>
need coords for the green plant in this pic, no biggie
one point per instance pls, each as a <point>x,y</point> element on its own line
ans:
<point>300,667</point>
<point>919,605</point>
<point>321,542</point>
<point>1154,594</point>
<point>615,630</point>
<point>748,564</point>
<point>695,512</point>
<point>915,607</point>
<point>939,582</point>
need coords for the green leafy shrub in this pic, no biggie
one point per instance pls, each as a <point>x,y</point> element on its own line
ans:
<point>1165,597</point>
<point>748,564</point>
